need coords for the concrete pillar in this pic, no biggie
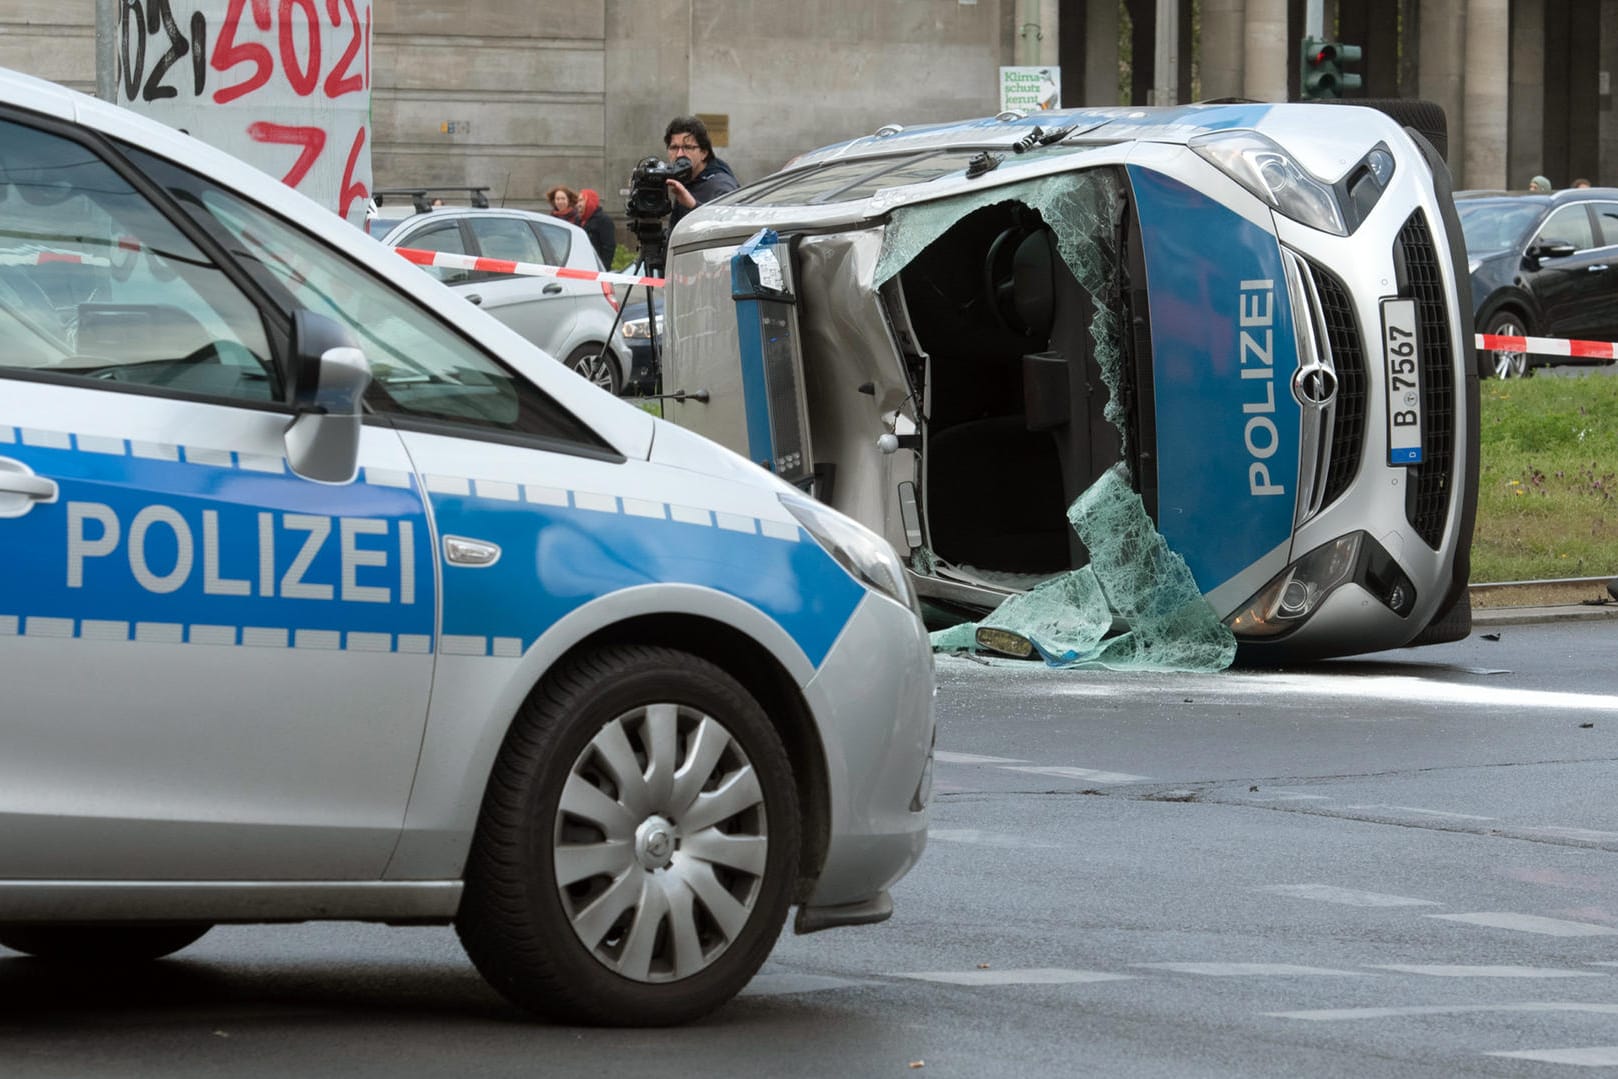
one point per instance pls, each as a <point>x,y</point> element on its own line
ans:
<point>1101,25</point>
<point>1268,51</point>
<point>1166,65</point>
<point>1606,122</point>
<point>1483,93</point>
<point>1222,67</point>
<point>1525,150</point>
<point>1050,28</point>
<point>1443,25</point>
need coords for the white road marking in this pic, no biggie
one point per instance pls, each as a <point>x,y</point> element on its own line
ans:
<point>1412,691</point>
<point>1423,812</point>
<point>1348,897</point>
<point>1247,970</point>
<point>1531,923</point>
<point>1289,796</point>
<point>1036,976</point>
<point>1553,831</point>
<point>775,985</point>
<point>945,757</point>
<point>987,839</point>
<point>1089,775</point>
<point>1442,970</point>
<point>1332,1015</point>
<point>1595,1056</point>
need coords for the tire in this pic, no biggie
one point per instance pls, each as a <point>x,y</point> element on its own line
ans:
<point>596,363</point>
<point>100,943</point>
<point>1502,365</point>
<point>600,891</point>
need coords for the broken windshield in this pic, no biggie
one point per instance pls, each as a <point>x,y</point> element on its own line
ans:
<point>1019,295</point>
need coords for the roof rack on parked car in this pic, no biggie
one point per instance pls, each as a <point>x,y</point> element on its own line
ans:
<point>419,196</point>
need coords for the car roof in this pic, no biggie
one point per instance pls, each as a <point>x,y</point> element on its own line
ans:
<point>1550,198</point>
<point>1123,123</point>
<point>458,212</point>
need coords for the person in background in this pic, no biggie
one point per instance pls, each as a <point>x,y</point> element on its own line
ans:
<point>1539,185</point>
<point>1581,182</point>
<point>686,136</point>
<point>597,225</point>
<point>564,203</point>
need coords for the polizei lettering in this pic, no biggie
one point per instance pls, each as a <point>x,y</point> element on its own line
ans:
<point>375,558</point>
<point>1256,315</point>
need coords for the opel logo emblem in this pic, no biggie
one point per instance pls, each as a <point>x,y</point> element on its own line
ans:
<point>1315,385</point>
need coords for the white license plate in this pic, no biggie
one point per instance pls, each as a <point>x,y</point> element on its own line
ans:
<point>1401,348</point>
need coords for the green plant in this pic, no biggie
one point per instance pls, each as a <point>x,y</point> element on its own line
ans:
<point>1548,471</point>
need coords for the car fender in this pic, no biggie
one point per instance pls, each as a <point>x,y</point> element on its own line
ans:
<point>461,743</point>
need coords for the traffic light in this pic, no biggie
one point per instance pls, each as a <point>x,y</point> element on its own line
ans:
<point>1320,71</point>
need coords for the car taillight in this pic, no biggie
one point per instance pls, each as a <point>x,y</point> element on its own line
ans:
<point>612,297</point>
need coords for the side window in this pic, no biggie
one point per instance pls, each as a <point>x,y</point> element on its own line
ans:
<point>1569,225</point>
<point>505,238</point>
<point>1607,218</point>
<point>555,241</point>
<point>446,237</point>
<point>420,368</point>
<point>96,283</point>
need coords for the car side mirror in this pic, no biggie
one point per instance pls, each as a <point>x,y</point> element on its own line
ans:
<point>329,378</point>
<point>1552,249</point>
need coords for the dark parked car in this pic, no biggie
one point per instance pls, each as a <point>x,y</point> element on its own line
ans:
<point>643,365</point>
<point>1542,266</point>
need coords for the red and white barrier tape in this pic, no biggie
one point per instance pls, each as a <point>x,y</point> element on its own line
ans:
<point>1549,346</point>
<point>530,269</point>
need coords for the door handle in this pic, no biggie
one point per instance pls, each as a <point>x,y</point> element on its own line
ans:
<point>20,488</point>
<point>474,298</point>
<point>551,289</point>
<point>1598,269</point>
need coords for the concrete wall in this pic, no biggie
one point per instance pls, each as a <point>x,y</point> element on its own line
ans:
<point>576,91</point>
<point>791,76</point>
<point>526,80</point>
<point>52,39</point>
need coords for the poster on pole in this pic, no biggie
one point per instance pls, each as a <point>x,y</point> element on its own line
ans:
<point>1030,89</point>
<point>285,85</point>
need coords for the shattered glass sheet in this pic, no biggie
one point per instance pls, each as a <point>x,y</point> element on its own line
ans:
<point>1132,572</point>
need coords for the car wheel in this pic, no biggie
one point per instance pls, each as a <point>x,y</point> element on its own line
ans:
<point>1504,364</point>
<point>595,363</point>
<point>637,846</point>
<point>100,943</point>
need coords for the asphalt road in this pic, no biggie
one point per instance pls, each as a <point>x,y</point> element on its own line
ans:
<point>1401,865</point>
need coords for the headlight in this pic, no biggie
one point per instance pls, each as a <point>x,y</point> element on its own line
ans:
<point>1261,166</point>
<point>640,328</point>
<point>864,554</point>
<point>1299,590</point>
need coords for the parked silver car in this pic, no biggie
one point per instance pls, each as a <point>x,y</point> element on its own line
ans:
<point>568,318</point>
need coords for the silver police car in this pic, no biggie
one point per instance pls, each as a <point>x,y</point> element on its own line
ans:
<point>326,596</point>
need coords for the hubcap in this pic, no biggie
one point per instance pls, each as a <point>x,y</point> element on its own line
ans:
<point>597,370</point>
<point>661,843</point>
<point>1508,364</point>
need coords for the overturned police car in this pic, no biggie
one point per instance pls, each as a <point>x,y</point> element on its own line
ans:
<point>1245,318</point>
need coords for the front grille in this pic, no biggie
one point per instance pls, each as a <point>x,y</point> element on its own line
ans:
<point>1427,497</point>
<point>1348,359</point>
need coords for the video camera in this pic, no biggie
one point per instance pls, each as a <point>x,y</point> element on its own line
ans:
<point>649,205</point>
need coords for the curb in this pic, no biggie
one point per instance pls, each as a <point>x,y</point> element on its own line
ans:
<point>1524,616</point>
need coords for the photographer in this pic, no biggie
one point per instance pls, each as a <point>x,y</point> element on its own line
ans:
<point>687,137</point>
